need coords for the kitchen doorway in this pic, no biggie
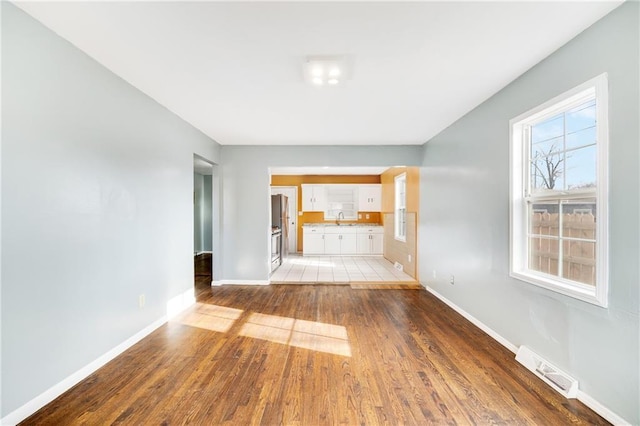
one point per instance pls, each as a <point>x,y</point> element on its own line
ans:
<point>291,192</point>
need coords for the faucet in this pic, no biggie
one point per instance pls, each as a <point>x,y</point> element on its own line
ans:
<point>338,217</point>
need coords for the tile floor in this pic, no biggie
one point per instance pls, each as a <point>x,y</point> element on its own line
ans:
<point>338,269</point>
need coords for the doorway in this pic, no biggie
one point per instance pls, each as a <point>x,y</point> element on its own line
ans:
<point>291,192</point>
<point>202,222</point>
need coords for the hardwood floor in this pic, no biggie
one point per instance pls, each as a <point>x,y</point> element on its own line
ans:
<point>314,355</point>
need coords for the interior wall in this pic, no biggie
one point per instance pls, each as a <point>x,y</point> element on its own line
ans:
<point>245,170</point>
<point>464,219</point>
<point>403,252</point>
<point>97,199</point>
<point>318,217</point>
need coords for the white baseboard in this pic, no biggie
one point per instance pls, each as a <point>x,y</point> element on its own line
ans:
<point>596,406</point>
<point>582,397</point>
<point>174,307</point>
<point>240,282</point>
<point>58,389</point>
<point>504,342</point>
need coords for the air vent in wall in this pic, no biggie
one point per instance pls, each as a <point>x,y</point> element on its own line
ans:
<point>553,376</point>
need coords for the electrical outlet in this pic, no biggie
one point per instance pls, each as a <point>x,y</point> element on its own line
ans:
<point>409,258</point>
<point>141,301</point>
<point>434,274</point>
<point>452,280</point>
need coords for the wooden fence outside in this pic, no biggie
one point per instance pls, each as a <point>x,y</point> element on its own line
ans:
<point>578,257</point>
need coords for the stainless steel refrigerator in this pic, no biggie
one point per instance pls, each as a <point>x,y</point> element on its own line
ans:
<point>279,229</point>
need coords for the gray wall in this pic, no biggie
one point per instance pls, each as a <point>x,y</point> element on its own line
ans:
<point>97,199</point>
<point>246,196</point>
<point>464,222</point>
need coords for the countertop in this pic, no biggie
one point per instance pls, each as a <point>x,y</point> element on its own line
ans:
<point>366,225</point>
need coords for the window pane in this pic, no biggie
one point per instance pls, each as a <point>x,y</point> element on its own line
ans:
<point>581,117</point>
<point>547,173</point>
<point>579,219</point>
<point>543,219</point>
<point>579,261</point>
<point>544,148</point>
<point>581,168</point>
<point>581,138</point>
<point>543,255</point>
<point>548,129</point>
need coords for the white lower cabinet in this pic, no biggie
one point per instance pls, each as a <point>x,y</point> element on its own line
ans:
<point>342,240</point>
<point>313,241</point>
<point>370,240</point>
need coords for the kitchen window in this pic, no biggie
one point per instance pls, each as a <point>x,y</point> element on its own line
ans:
<point>559,157</point>
<point>400,227</point>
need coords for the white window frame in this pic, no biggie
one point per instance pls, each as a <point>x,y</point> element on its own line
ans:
<point>519,176</point>
<point>400,232</point>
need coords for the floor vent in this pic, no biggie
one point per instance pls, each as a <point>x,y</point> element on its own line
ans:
<point>398,266</point>
<point>554,377</point>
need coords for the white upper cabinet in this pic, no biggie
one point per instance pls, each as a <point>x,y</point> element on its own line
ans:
<point>370,198</point>
<point>314,198</point>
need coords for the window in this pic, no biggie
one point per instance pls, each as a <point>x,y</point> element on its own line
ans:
<point>559,193</point>
<point>401,207</point>
<point>341,199</point>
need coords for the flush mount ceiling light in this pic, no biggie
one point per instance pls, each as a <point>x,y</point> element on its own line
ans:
<point>325,70</point>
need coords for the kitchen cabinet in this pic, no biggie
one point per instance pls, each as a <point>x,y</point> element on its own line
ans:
<point>314,198</point>
<point>330,240</point>
<point>370,240</point>
<point>340,240</point>
<point>370,198</point>
<point>313,241</point>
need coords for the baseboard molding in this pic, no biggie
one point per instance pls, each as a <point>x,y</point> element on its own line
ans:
<point>240,282</point>
<point>586,399</point>
<point>596,406</point>
<point>174,307</point>
<point>482,326</point>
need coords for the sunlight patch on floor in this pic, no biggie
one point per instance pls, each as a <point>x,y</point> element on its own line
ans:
<point>315,336</point>
<point>210,317</point>
<point>312,335</point>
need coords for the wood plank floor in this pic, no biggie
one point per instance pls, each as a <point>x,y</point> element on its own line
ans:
<point>314,355</point>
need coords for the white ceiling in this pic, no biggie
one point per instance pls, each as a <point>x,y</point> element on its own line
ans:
<point>234,69</point>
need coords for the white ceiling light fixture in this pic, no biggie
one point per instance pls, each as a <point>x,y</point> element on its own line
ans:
<point>325,70</point>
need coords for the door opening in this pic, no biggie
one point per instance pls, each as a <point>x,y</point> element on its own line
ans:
<point>202,222</point>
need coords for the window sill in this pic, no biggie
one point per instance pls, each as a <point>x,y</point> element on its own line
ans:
<point>584,293</point>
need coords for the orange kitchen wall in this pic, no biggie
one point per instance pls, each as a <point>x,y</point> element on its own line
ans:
<point>317,217</point>
<point>388,188</point>
<point>388,205</point>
